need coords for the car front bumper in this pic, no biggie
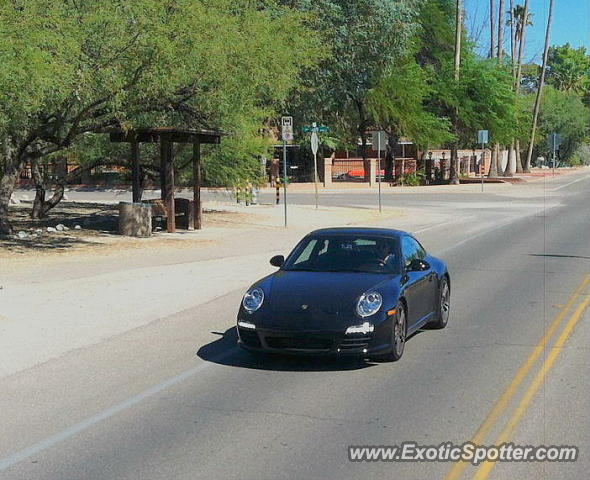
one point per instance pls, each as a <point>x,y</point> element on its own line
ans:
<point>313,342</point>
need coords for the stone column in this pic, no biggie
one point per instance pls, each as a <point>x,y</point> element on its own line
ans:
<point>373,172</point>
<point>328,172</point>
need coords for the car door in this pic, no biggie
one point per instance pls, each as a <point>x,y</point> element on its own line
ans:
<point>418,284</point>
<point>431,292</point>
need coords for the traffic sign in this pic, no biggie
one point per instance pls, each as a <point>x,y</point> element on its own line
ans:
<point>378,140</point>
<point>554,141</point>
<point>315,143</point>
<point>287,128</point>
<point>483,136</point>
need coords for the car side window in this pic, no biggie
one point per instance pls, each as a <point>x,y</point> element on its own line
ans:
<point>421,252</point>
<point>411,250</point>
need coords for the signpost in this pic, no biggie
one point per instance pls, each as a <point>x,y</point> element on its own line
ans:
<point>483,137</point>
<point>287,135</point>
<point>315,143</point>
<point>380,136</point>
<point>314,129</point>
<point>555,140</point>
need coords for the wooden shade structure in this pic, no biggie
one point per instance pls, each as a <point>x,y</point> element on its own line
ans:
<point>166,137</point>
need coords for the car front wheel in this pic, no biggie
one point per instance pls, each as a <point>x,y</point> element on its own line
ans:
<point>399,329</point>
<point>444,305</point>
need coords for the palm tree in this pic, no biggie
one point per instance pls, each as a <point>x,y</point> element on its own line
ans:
<point>493,54</point>
<point>493,29</point>
<point>520,19</point>
<point>510,22</point>
<point>529,156</point>
<point>501,29</point>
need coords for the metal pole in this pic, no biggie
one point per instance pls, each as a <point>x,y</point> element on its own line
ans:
<point>379,165</point>
<point>285,178</point>
<point>554,156</point>
<point>197,180</point>
<point>483,163</point>
<point>315,174</point>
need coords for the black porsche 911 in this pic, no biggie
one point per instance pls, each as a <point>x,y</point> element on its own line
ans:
<point>346,291</point>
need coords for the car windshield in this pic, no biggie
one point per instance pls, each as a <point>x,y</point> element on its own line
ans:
<point>345,253</point>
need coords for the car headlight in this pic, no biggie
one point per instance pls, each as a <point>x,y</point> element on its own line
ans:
<point>253,299</point>
<point>362,329</point>
<point>369,304</point>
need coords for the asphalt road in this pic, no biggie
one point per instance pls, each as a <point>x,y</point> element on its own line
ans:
<point>177,400</point>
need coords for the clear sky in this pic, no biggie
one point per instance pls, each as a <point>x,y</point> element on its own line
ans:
<point>571,23</point>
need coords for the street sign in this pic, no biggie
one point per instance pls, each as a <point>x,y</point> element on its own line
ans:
<point>378,140</point>
<point>483,136</point>
<point>287,128</point>
<point>315,128</point>
<point>554,141</point>
<point>315,142</point>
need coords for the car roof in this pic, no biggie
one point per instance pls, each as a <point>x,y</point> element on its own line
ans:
<point>385,232</point>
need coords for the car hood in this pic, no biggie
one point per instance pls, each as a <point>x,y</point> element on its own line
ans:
<point>316,300</point>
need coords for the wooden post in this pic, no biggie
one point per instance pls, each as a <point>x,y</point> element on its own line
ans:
<point>169,193</point>
<point>197,185</point>
<point>136,172</point>
<point>162,169</point>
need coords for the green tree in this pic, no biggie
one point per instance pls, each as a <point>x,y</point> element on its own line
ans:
<point>367,37</point>
<point>568,69</point>
<point>565,113</point>
<point>484,98</point>
<point>75,68</point>
<point>398,104</point>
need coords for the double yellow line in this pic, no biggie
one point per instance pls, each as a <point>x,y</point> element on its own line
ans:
<point>503,402</point>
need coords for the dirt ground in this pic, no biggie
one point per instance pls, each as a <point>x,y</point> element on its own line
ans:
<point>92,227</point>
<point>97,229</point>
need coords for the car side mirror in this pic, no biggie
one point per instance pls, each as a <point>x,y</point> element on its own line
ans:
<point>418,265</point>
<point>277,261</point>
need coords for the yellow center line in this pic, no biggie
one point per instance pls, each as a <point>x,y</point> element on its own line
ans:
<point>486,468</point>
<point>522,373</point>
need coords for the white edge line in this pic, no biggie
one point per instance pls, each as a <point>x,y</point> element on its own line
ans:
<point>570,183</point>
<point>85,424</point>
<point>440,224</point>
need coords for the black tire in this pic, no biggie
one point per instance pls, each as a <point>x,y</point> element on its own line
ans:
<point>399,329</point>
<point>443,307</point>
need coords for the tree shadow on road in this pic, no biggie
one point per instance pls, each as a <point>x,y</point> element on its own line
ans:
<point>556,255</point>
<point>224,351</point>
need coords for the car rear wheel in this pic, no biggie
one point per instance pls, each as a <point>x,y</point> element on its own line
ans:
<point>444,305</point>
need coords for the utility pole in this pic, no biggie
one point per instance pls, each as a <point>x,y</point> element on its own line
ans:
<point>454,176</point>
<point>493,29</point>
<point>540,90</point>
